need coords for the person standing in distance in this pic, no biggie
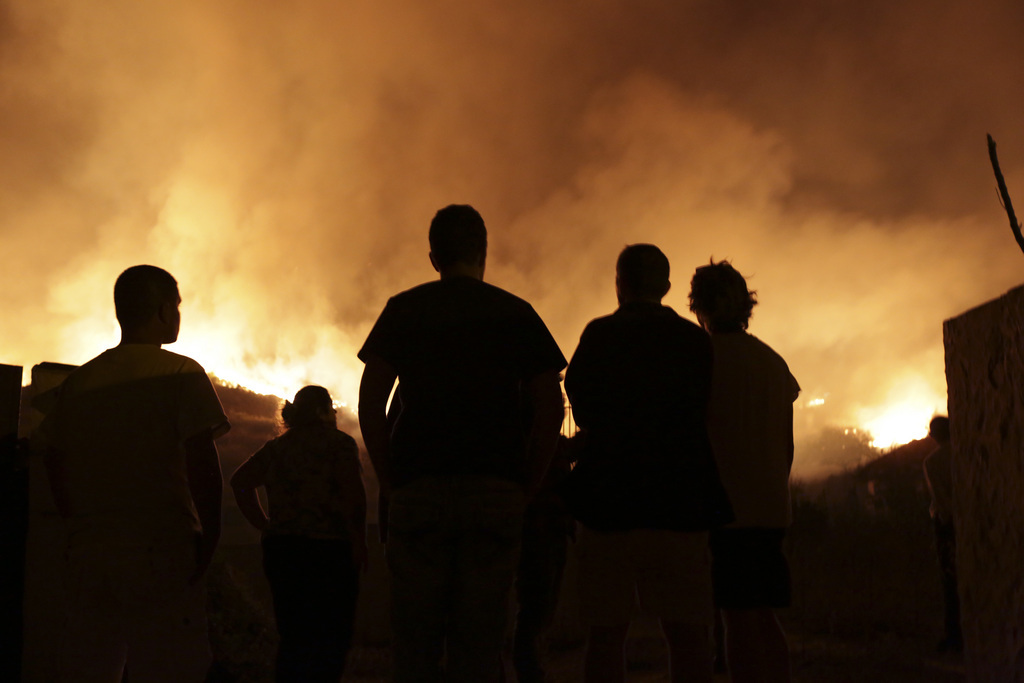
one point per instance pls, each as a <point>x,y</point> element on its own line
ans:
<point>481,410</point>
<point>135,473</point>
<point>750,421</point>
<point>938,475</point>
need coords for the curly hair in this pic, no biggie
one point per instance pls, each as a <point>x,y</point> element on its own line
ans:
<point>305,409</point>
<point>719,296</point>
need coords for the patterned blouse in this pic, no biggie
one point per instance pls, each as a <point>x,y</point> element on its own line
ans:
<point>312,475</point>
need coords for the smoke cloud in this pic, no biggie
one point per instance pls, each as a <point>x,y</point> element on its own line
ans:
<point>283,160</point>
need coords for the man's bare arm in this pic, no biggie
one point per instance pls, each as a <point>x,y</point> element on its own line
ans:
<point>205,483</point>
<point>374,388</point>
<point>548,413</point>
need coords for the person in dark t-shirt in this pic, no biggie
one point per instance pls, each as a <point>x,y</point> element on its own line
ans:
<point>646,488</point>
<point>463,454</point>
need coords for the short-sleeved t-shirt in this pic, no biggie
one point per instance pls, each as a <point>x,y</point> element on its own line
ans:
<point>750,420</point>
<point>639,384</point>
<point>121,421</point>
<point>463,350</point>
<point>308,472</point>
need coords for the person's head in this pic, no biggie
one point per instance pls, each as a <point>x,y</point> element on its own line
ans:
<point>146,304</point>
<point>938,428</point>
<point>312,405</point>
<point>720,299</point>
<point>458,239</point>
<point>641,274</point>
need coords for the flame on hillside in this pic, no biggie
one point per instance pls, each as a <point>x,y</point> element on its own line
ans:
<point>904,417</point>
<point>283,161</point>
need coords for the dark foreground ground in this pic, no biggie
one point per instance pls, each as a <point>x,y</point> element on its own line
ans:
<point>866,596</point>
<point>816,659</point>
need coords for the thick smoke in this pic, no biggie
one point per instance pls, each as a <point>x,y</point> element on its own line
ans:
<point>283,161</point>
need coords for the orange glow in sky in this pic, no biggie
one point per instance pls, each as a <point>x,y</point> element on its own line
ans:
<point>284,161</point>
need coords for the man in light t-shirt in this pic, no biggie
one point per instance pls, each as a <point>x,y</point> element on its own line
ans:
<point>135,473</point>
<point>750,422</point>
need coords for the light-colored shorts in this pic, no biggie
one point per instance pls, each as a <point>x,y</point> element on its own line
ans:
<point>135,606</point>
<point>668,572</point>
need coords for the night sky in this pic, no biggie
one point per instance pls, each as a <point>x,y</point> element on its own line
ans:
<point>283,160</point>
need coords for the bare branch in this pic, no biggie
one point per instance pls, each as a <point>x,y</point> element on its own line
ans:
<point>1004,194</point>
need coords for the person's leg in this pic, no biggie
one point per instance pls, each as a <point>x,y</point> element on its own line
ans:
<point>490,514</point>
<point>719,637</point>
<point>756,647</point>
<point>420,549</point>
<point>94,648</point>
<point>538,582</point>
<point>945,541</point>
<point>606,583</point>
<point>674,583</point>
<point>751,579</point>
<point>329,594</point>
<point>280,555</point>
<point>690,651</point>
<point>776,649</point>
<point>742,646</point>
<point>605,657</point>
<point>165,625</point>
<point>348,585</point>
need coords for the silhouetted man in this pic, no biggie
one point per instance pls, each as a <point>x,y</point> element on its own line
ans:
<point>645,488</point>
<point>938,472</point>
<point>458,463</point>
<point>135,473</point>
<point>750,420</point>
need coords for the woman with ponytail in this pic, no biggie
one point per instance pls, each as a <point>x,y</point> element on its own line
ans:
<point>314,539</point>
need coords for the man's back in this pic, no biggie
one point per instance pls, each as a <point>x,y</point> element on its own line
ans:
<point>463,350</point>
<point>639,383</point>
<point>751,426</point>
<point>120,423</point>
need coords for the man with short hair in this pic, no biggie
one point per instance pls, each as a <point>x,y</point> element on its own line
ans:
<point>645,489</point>
<point>480,413</point>
<point>750,420</point>
<point>135,473</point>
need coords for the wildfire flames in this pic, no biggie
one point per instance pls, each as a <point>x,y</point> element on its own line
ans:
<point>283,160</point>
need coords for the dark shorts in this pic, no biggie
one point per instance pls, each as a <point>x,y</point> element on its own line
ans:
<point>749,569</point>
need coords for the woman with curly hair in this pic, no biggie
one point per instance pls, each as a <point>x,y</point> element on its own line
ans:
<point>314,539</point>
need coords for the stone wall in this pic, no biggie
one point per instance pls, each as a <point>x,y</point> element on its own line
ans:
<point>985,378</point>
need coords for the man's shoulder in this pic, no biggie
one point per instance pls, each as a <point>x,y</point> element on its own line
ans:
<point>744,342</point>
<point>130,362</point>
<point>467,286</point>
<point>663,317</point>
<point>473,297</point>
<point>184,363</point>
<point>756,355</point>
<point>343,438</point>
<point>771,354</point>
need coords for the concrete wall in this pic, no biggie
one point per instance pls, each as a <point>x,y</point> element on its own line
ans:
<point>985,377</point>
